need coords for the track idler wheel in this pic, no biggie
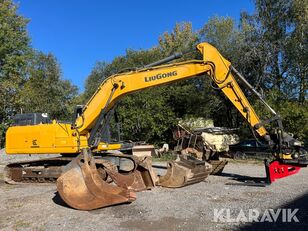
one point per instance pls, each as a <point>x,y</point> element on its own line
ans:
<point>81,186</point>
<point>186,171</point>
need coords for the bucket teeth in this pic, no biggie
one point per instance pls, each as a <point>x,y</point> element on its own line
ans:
<point>184,172</point>
<point>82,187</point>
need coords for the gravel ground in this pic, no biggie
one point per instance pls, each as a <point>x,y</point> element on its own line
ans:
<point>37,207</point>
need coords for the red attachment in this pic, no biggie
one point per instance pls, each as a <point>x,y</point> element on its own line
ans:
<point>276,170</point>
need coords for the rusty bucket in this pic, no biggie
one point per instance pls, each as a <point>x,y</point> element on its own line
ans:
<point>81,186</point>
<point>185,171</point>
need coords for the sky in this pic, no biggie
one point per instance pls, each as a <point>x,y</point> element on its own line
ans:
<point>80,33</point>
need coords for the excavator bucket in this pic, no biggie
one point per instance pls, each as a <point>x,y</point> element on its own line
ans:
<point>132,181</point>
<point>136,172</point>
<point>188,170</point>
<point>81,186</point>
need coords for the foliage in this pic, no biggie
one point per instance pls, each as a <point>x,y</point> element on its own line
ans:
<point>297,50</point>
<point>14,52</point>
<point>45,91</point>
<point>14,46</point>
<point>146,116</point>
<point>30,81</point>
<point>281,26</point>
<point>181,39</point>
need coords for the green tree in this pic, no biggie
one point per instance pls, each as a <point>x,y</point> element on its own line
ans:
<point>297,49</point>
<point>130,61</point>
<point>282,28</point>
<point>181,39</point>
<point>14,53</point>
<point>222,33</point>
<point>45,90</point>
<point>193,97</point>
<point>98,74</point>
<point>146,116</point>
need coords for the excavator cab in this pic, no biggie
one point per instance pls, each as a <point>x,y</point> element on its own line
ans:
<point>31,119</point>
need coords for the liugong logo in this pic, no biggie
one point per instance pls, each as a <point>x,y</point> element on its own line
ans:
<point>160,76</point>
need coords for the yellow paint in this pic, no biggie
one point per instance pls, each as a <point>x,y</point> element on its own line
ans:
<point>43,139</point>
<point>105,147</point>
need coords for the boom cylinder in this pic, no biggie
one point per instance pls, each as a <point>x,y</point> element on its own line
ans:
<point>176,55</point>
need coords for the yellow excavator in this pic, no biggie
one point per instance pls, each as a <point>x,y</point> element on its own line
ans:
<point>92,173</point>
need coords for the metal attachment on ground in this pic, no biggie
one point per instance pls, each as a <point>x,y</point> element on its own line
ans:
<point>187,170</point>
<point>82,187</point>
<point>141,178</point>
<point>135,172</point>
<point>217,166</point>
<point>276,170</point>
